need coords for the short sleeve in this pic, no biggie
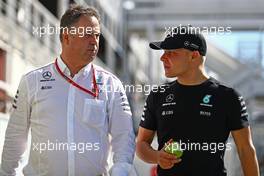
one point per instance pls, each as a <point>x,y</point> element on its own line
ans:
<point>237,115</point>
<point>148,119</point>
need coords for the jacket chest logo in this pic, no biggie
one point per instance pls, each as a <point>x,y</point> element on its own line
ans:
<point>47,76</point>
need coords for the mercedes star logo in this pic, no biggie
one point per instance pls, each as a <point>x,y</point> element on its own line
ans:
<point>186,43</point>
<point>46,75</point>
<point>169,98</point>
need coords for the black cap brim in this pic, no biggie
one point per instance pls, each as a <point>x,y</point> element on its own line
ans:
<point>155,45</point>
<point>163,45</point>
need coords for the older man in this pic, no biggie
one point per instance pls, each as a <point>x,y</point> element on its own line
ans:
<point>74,109</point>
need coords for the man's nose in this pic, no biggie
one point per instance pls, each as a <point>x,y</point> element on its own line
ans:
<point>93,38</point>
<point>164,57</point>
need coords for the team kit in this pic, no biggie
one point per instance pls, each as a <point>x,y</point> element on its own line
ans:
<point>80,121</point>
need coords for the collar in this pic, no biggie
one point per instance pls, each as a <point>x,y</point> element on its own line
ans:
<point>63,67</point>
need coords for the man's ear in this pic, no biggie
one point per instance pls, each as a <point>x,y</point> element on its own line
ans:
<point>65,38</point>
<point>195,54</point>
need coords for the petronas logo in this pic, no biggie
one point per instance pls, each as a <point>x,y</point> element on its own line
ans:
<point>206,99</point>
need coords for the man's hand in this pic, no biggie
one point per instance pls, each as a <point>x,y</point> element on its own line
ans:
<point>149,155</point>
<point>166,160</point>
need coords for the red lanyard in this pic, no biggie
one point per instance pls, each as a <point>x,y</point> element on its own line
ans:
<point>94,92</point>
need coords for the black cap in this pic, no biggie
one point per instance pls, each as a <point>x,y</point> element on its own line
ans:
<point>182,37</point>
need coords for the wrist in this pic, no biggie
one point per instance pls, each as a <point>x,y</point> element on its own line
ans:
<point>156,158</point>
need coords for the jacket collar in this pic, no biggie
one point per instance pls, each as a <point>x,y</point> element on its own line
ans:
<point>63,67</point>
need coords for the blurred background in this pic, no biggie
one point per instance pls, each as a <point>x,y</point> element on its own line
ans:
<point>235,58</point>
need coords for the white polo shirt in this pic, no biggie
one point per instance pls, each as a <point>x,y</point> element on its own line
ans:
<point>70,128</point>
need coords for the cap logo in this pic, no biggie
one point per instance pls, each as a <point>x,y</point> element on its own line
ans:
<point>186,43</point>
<point>194,46</point>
